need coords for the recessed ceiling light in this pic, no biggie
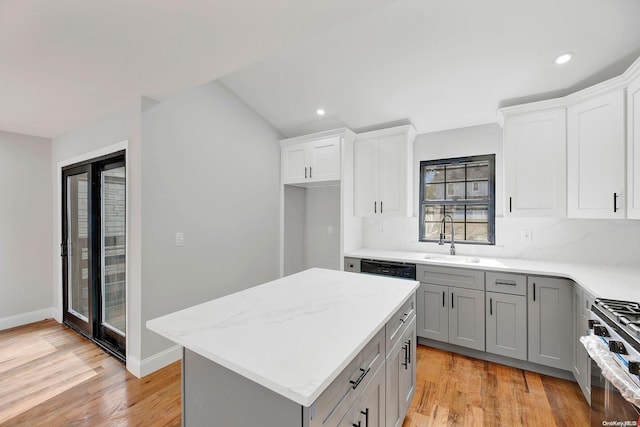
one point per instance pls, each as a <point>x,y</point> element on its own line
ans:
<point>564,58</point>
<point>320,112</point>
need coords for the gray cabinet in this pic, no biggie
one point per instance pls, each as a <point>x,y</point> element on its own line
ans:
<point>401,376</point>
<point>433,312</point>
<point>448,313</point>
<point>550,321</point>
<point>507,324</point>
<point>369,409</point>
<point>582,301</point>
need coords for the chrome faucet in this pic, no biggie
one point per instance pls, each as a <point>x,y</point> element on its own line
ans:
<point>452,250</point>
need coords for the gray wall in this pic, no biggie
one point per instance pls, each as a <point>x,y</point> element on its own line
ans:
<point>26,226</point>
<point>211,170</point>
<point>322,210</point>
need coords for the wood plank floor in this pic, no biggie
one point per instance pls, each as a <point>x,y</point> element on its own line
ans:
<point>50,376</point>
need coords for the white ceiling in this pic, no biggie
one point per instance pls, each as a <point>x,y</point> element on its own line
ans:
<point>440,64</point>
<point>63,62</point>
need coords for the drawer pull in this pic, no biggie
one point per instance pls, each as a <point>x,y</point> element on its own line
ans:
<point>506,282</point>
<point>357,425</point>
<point>356,383</point>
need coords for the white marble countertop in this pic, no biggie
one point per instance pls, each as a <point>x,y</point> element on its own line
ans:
<point>604,281</point>
<point>293,335</point>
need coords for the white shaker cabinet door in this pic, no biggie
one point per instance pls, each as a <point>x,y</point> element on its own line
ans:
<point>393,163</point>
<point>535,164</point>
<point>596,157</point>
<point>324,160</point>
<point>294,168</point>
<point>366,193</point>
<point>633,149</point>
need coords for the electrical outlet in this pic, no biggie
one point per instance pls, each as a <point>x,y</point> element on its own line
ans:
<point>179,239</point>
<point>526,235</point>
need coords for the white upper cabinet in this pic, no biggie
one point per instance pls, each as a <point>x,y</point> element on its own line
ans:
<point>535,164</point>
<point>383,172</point>
<point>596,157</point>
<point>633,149</point>
<point>311,161</point>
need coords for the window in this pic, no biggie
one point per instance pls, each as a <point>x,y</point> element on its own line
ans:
<point>463,188</point>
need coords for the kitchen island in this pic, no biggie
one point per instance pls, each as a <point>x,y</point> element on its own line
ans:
<point>299,351</point>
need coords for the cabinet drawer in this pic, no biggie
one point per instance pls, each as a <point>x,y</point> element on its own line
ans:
<point>398,322</point>
<point>446,276</point>
<point>334,402</point>
<point>352,264</point>
<point>507,283</point>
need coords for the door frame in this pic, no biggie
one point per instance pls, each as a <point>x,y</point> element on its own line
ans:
<point>58,260</point>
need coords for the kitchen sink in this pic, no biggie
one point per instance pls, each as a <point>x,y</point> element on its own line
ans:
<point>454,259</point>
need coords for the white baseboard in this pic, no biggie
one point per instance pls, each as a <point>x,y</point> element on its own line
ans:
<point>153,363</point>
<point>26,318</point>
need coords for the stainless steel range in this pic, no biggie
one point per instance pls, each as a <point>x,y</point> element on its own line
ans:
<point>614,349</point>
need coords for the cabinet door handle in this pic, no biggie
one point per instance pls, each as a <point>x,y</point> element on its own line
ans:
<point>405,348</point>
<point>490,306</point>
<point>409,351</point>
<point>615,202</point>
<point>443,303</point>
<point>366,417</point>
<point>510,210</point>
<point>357,425</point>
<point>534,291</point>
<point>310,172</point>
<point>363,373</point>
<point>380,206</point>
<point>305,172</point>
<point>452,300</point>
<point>505,282</point>
<point>375,207</point>
<point>586,303</point>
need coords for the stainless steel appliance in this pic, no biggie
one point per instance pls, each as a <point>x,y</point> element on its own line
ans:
<point>389,268</point>
<point>614,349</point>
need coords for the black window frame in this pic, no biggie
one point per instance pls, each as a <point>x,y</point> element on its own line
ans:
<point>490,201</point>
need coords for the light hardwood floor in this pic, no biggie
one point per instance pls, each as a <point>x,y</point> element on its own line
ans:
<point>50,376</point>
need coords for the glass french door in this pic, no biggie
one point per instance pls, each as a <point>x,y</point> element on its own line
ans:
<point>94,250</point>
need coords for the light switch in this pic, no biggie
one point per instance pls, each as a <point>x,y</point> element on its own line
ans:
<point>330,229</point>
<point>179,239</point>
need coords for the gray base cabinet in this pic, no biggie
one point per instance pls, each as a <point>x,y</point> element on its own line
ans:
<point>433,312</point>
<point>507,325</point>
<point>453,314</point>
<point>401,377</point>
<point>550,321</point>
<point>369,408</point>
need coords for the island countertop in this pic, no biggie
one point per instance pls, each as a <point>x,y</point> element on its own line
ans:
<point>293,335</point>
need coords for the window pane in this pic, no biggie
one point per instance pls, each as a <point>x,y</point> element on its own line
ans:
<point>455,191</point>
<point>434,192</point>
<point>433,213</point>
<point>477,231</point>
<point>432,230</point>
<point>455,173</point>
<point>477,190</point>
<point>456,212</point>
<point>477,213</point>
<point>478,170</point>
<point>433,174</point>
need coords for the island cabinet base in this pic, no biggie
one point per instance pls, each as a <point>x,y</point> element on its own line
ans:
<point>214,396</point>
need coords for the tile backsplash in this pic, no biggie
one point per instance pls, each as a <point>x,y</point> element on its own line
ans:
<point>613,242</point>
